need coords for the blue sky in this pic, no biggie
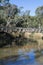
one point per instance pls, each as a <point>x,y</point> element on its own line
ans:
<point>28,4</point>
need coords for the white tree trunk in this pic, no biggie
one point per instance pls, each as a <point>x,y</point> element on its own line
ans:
<point>39,28</point>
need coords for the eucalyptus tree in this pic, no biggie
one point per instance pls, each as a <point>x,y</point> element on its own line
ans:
<point>26,18</point>
<point>39,15</point>
<point>39,11</point>
<point>8,11</point>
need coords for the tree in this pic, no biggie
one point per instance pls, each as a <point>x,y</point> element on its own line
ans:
<point>11,11</point>
<point>39,14</point>
<point>39,11</point>
<point>4,2</point>
<point>8,11</point>
<point>2,21</point>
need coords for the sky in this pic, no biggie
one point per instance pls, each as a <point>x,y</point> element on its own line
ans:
<point>28,4</point>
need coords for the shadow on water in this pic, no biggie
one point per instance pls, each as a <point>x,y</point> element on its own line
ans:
<point>24,58</point>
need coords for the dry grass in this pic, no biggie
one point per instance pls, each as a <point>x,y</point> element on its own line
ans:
<point>27,34</point>
<point>37,35</point>
<point>15,34</point>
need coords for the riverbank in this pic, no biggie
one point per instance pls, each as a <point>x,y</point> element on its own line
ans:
<point>13,50</point>
<point>7,53</point>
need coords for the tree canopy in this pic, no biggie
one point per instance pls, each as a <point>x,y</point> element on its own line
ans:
<point>39,11</point>
<point>9,13</point>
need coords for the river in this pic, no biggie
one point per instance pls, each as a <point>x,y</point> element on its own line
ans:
<point>27,58</point>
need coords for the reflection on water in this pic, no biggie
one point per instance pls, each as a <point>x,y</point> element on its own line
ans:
<point>27,58</point>
<point>20,62</point>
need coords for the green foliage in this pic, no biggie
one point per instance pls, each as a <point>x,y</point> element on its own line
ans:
<point>9,16</point>
<point>39,11</point>
<point>3,21</point>
<point>5,39</point>
<point>4,2</point>
<point>21,41</point>
<point>39,15</point>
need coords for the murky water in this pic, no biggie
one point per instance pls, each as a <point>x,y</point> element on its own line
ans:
<point>27,58</point>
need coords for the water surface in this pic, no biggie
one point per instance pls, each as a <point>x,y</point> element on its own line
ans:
<point>27,58</point>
